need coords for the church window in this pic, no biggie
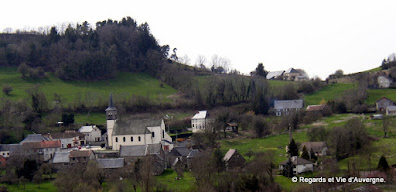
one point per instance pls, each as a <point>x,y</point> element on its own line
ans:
<point>139,138</point>
<point>116,139</point>
<point>163,133</point>
<point>131,139</point>
<point>123,139</point>
<point>152,134</point>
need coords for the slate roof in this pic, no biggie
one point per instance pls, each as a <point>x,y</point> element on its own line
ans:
<point>84,153</point>
<point>193,153</point>
<point>385,98</point>
<point>180,151</point>
<point>34,138</point>
<point>133,151</point>
<point>111,106</point>
<point>288,104</point>
<point>291,70</point>
<point>229,154</point>
<point>274,74</point>
<point>136,126</point>
<point>316,146</point>
<point>297,161</point>
<point>111,163</point>
<point>15,149</point>
<point>64,135</point>
<point>87,129</point>
<point>154,148</point>
<point>41,144</point>
<point>200,115</point>
<point>61,157</point>
<point>4,147</point>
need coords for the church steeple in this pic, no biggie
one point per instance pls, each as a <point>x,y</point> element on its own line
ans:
<point>111,111</point>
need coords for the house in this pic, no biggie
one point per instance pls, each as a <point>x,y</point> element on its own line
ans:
<point>284,107</point>
<point>233,159</point>
<point>391,110</point>
<point>135,131</point>
<point>383,81</point>
<point>34,138</point>
<point>299,164</point>
<point>61,159</point>
<point>91,132</point>
<point>152,152</point>
<point>315,108</point>
<point>81,156</point>
<point>190,157</point>
<point>67,139</point>
<point>41,150</point>
<point>301,78</point>
<point>291,74</point>
<point>5,150</point>
<point>179,153</point>
<point>200,121</point>
<point>232,127</point>
<point>382,103</point>
<point>319,148</point>
<point>274,74</point>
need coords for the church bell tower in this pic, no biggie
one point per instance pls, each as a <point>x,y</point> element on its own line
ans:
<point>111,117</point>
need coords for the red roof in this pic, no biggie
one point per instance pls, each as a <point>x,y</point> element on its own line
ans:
<point>315,107</point>
<point>86,153</point>
<point>42,144</point>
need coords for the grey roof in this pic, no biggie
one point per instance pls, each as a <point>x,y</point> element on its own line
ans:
<point>274,74</point>
<point>133,151</point>
<point>289,104</point>
<point>229,154</point>
<point>61,157</point>
<point>111,163</point>
<point>154,148</point>
<point>315,146</point>
<point>34,138</point>
<point>4,147</point>
<point>297,161</point>
<point>180,151</point>
<point>16,149</point>
<point>136,126</point>
<point>193,153</point>
<point>291,70</point>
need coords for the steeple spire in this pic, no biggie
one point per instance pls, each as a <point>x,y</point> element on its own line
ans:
<point>111,101</point>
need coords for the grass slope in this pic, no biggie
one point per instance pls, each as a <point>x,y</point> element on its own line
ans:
<point>327,93</point>
<point>124,85</point>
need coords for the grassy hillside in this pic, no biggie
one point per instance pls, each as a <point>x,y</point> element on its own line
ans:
<point>375,94</point>
<point>124,85</point>
<point>327,93</point>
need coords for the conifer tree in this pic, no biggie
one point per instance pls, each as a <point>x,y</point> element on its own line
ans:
<point>292,148</point>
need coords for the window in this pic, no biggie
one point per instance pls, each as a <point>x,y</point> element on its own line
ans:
<point>152,134</point>
<point>131,139</point>
<point>163,133</point>
<point>116,139</point>
<point>139,138</point>
<point>123,139</point>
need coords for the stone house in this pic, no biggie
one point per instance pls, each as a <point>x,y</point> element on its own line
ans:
<point>319,148</point>
<point>42,150</point>
<point>81,156</point>
<point>382,103</point>
<point>383,81</point>
<point>233,159</point>
<point>5,150</point>
<point>153,152</point>
<point>285,107</point>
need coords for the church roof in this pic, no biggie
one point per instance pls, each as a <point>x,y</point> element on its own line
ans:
<point>136,126</point>
<point>154,148</point>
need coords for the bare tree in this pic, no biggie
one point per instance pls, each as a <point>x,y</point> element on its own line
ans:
<point>185,60</point>
<point>201,61</point>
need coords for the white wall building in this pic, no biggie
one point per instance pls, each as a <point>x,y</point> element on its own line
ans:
<point>391,110</point>
<point>200,121</point>
<point>91,132</point>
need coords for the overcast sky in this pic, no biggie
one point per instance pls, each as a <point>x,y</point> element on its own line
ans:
<point>318,36</point>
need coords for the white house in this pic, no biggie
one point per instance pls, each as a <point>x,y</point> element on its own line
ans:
<point>391,110</point>
<point>284,107</point>
<point>135,131</point>
<point>300,165</point>
<point>200,121</point>
<point>91,132</point>
<point>383,82</point>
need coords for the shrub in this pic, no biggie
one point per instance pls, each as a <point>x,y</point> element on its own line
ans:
<point>7,89</point>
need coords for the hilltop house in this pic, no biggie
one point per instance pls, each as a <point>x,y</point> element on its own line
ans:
<point>274,74</point>
<point>200,121</point>
<point>383,81</point>
<point>299,164</point>
<point>135,132</point>
<point>233,159</point>
<point>291,74</point>
<point>382,103</point>
<point>91,132</point>
<point>284,107</point>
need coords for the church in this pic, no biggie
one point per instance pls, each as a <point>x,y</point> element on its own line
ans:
<point>135,131</point>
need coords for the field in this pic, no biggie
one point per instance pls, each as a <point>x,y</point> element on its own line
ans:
<point>124,85</point>
<point>327,93</point>
<point>375,94</point>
